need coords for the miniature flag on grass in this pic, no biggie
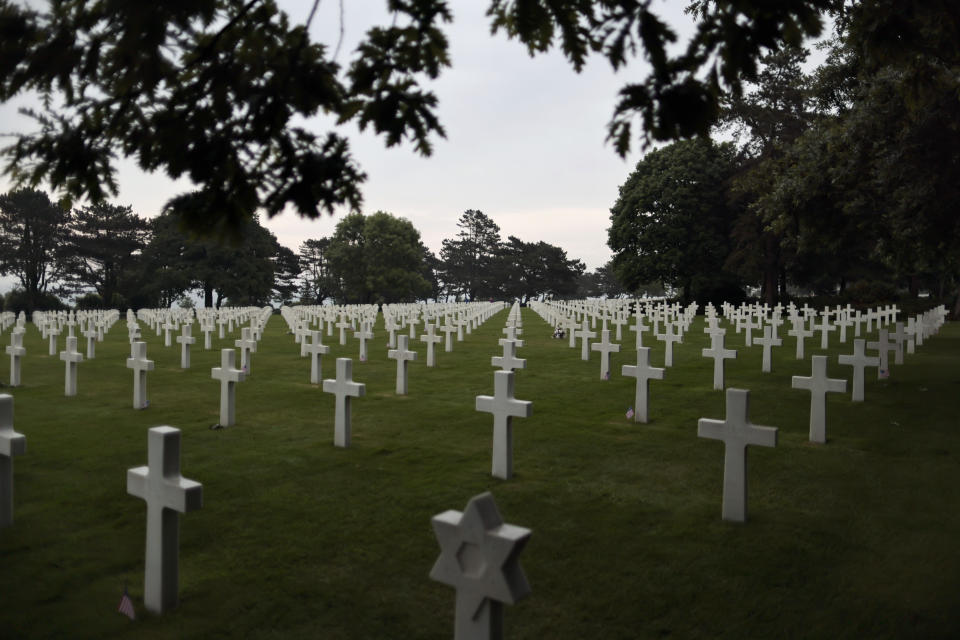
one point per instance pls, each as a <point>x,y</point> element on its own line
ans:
<point>630,413</point>
<point>126,606</point>
<point>884,373</point>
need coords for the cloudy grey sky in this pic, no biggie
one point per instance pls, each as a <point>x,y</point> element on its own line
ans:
<point>525,140</point>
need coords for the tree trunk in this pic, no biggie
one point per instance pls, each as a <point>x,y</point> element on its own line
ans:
<point>207,295</point>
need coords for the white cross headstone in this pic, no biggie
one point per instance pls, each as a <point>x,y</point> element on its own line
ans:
<point>639,329</point>
<point>207,329</point>
<point>799,331</point>
<point>737,432</point>
<point>229,376</point>
<point>479,558</point>
<point>719,355</point>
<point>824,328</point>
<point>16,351</point>
<point>431,339</point>
<point>884,346</point>
<point>508,361</point>
<point>343,325</point>
<point>316,350</point>
<point>167,494</point>
<point>403,357</point>
<point>185,339</point>
<point>605,347</point>
<point>585,335</point>
<point>91,335</point>
<point>344,388</point>
<point>52,334</point>
<point>504,408</point>
<point>818,384</point>
<point>448,331</point>
<point>859,360</point>
<point>899,337</point>
<point>247,345</point>
<point>11,444</point>
<point>168,326</point>
<point>363,335</point>
<point>140,365</point>
<point>643,372</point>
<point>71,358</point>
<point>668,337</point>
<point>767,341</point>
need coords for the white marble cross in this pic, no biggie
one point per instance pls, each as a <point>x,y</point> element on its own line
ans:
<point>52,333</point>
<point>403,357</point>
<point>207,329</point>
<point>899,337</point>
<point>365,333</point>
<point>719,355</point>
<point>668,337</point>
<point>504,408</point>
<point>16,351</point>
<point>448,331</point>
<point>884,346</point>
<point>859,360</point>
<point>638,327</point>
<point>643,372</point>
<point>767,341</point>
<point>247,345</point>
<point>168,326</point>
<point>799,331</point>
<point>585,335</point>
<point>431,339</point>
<point>167,494</point>
<point>818,384</point>
<point>316,350</point>
<point>479,557</point>
<point>605,347</point>
<point>824,328</point>
<point>71,358</point>
<point>344,388</point>
<point>185,339</point>
<point>11,444</point>
<point>140,365</point>
<point>229,376</point>
<point>343,325</point>
<point>91,335</point>
<point>509,360</point>
<point>736,432</point>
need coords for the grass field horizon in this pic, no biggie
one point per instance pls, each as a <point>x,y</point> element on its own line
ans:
<point>299,539</point>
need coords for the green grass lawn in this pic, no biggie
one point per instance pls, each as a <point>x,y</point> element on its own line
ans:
<point>297,539</point>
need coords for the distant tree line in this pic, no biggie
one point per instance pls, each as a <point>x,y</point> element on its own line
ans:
<point>105,255</point>
<point>841,181</point>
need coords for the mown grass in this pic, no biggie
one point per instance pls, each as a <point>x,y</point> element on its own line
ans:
<point>298,539</point>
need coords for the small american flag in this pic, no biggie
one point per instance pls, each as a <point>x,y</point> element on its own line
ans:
<point>606,376</point>
<point>630,413</point>
<point>884,373</point>
<point>126,606</point>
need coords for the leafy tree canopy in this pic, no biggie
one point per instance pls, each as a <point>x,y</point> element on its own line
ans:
<point>213,89</point>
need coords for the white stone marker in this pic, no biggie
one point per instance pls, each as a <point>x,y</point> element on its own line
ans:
<point>16,351</point>
<point>819,385</point>
<point>343,388</point>
<point>639,328</point>
<point>71,358</point>
<point>364,334</point>
<point>858,360</point>
<point>11,444</point>
<point>448,331</point>
<point>316,350</point>
<point>508,361</point>
<point>799,331</point>
<point>899,338</point>
<point>884,346</point>
<point>719,355</point>
<point>479,557</point>
<point>668,337</point>
<point>52,334</point>
<point>343,325</point>
<point>824,328</point>
<point>403,357</point>
<point>431,339</point>
<point>767,341</point>
<point>643,372</point>
<point>737,432</point>
<point>168,494</point>
<point>585,335</point>
<point>91,335</point>
<point>247,345</point>
<point>605,347</point>
<point>140,365</point>
<point>229,376</point>
<point>185,339</point>
<point>207,329</point>
<point>504,408</point>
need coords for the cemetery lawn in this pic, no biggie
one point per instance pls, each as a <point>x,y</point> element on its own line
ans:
<point>859,537</point>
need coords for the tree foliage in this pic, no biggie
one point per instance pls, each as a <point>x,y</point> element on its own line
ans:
<point>32,235</point>
<point>213,90</point>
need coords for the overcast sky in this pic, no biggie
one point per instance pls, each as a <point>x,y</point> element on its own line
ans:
<point>525,140</point>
